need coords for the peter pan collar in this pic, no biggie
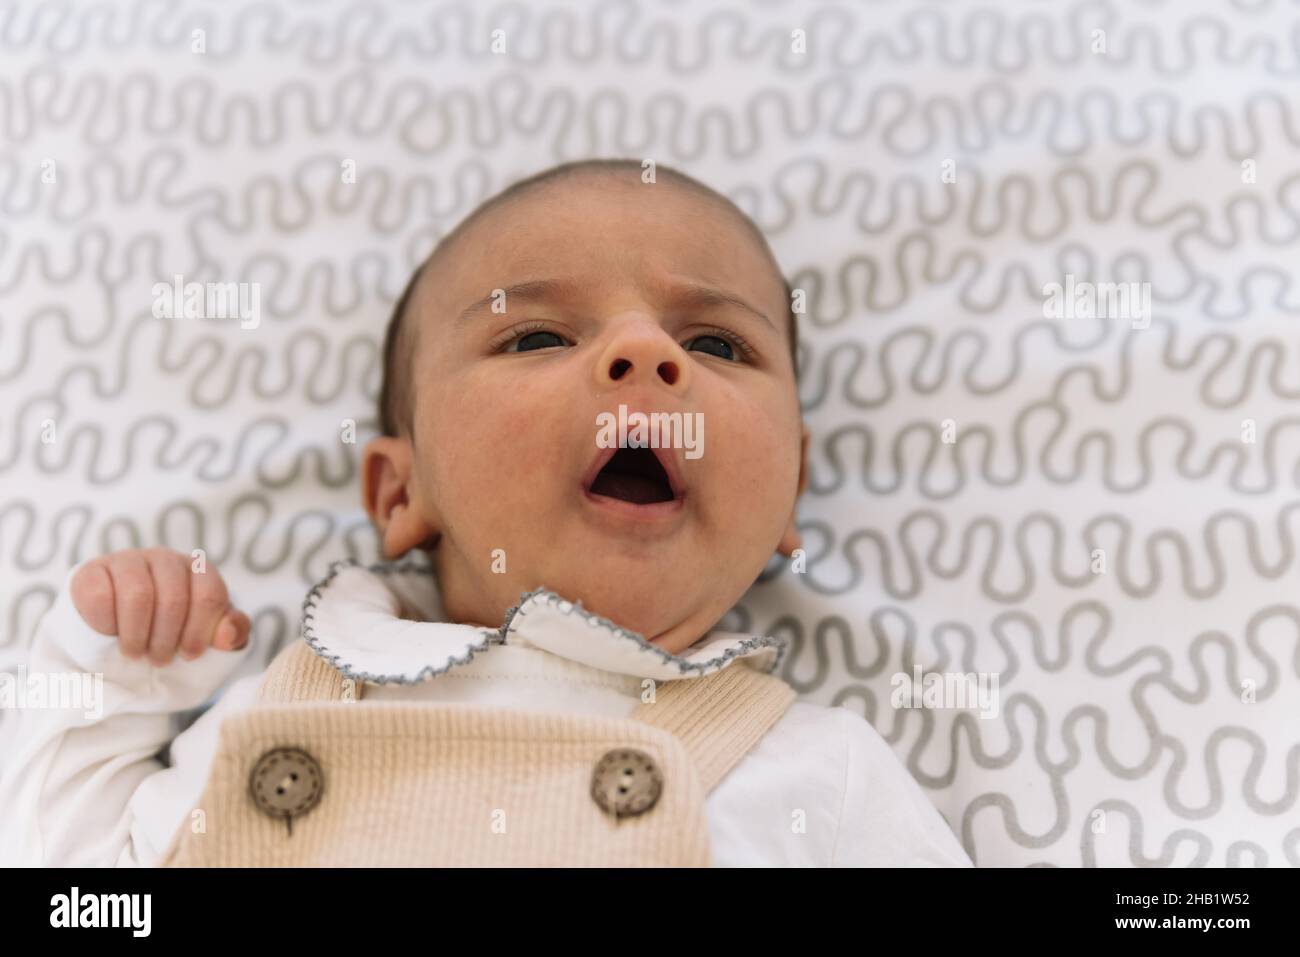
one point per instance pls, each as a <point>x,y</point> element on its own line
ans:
<point>382,624</point>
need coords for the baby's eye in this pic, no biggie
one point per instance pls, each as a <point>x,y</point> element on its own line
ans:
<point>537,340</point>
<point>713,345</point>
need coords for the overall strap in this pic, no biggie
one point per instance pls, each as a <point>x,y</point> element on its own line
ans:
<point>717,717</point>
<point>299,674</point>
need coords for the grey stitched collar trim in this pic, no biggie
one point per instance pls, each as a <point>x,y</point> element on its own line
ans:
<point>362,628</point>
<point>696,660</point>
<point>383,624</point>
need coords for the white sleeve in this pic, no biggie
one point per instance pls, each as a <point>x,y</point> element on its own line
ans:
<point>887,820</point>
<point>72,771</point>
<point>166,800</point>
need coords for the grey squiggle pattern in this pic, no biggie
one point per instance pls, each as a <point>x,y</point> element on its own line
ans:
<point>1009,572</point>
<point>1071,505</point>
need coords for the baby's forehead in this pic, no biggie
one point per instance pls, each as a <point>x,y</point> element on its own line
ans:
<point>605,227</point>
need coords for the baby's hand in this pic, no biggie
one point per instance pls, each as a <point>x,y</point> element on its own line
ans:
<point>151,601</point>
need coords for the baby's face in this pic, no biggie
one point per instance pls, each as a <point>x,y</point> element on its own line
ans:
<point>506,465</point>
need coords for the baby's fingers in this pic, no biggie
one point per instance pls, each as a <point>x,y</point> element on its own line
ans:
<point>171,587</point>
<point>133,590</point>
<point>232,633</point>
<point>92,596</point>
<point>209,607</point>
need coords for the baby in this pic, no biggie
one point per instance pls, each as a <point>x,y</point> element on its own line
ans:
<point>555,689</point>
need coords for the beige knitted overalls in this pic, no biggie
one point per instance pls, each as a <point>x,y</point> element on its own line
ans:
<point>311,777</point>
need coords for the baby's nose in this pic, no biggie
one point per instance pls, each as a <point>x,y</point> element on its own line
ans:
<point>642,352</point>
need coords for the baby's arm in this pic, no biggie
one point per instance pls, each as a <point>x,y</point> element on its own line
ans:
<point>132,629</point>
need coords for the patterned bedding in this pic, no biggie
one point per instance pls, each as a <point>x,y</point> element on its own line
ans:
<point>1082,501</point>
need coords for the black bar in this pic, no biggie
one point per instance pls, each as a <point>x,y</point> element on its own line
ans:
<point>994,907</point>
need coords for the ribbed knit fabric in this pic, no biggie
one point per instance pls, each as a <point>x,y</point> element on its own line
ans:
<point>718,718</point>
<point>416,784</point>
<point>299,674</point>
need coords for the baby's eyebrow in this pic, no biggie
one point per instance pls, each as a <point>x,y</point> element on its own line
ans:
<point>680,295</point>
<point>692,295</point>
<point>535,290</point>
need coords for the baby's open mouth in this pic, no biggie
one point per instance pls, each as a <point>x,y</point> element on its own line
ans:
<point>634,475</point>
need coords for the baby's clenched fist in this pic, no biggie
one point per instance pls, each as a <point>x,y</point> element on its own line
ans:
<point>151,600</point>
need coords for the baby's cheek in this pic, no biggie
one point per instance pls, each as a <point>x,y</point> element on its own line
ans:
<point>757,447</point>
<point>754,471</point>
<point>497,441</point>
<point>474,410</point>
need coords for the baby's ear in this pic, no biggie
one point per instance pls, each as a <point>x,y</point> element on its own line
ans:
<point>390,497</point>
<point>790,538</point>
<point>803,457</point>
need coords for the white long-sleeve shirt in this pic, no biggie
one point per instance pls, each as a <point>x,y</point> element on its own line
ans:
<point>84,785</point>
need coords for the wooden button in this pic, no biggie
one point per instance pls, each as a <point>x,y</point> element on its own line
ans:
<point>626,782</point>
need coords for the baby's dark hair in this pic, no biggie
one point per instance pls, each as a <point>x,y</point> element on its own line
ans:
<point>395,394</point>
